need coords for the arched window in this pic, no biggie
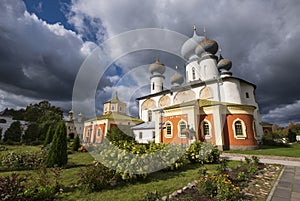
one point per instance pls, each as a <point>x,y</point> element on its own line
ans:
<point>120,108</point>
<point>88,132</point>
<point>247,95</point>
<point>206,129</point>
<point>168,130</point>
<point>193,73</point>
<point>182,129</point>
<point>149,115</point>
<point>98,132</point>
<point>3,121</point>
<point>153,86</point>
<point>239,129</point>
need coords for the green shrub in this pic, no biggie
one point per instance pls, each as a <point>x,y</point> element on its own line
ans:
<point>95,178</point>
<point>199,152</point>
<point>58,151</point>
<point>23,161</point>
<point>76,144</point>
<point>152,196</point>
<point>12,187</point>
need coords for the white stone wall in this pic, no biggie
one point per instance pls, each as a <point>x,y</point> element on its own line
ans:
<point>147,135</point>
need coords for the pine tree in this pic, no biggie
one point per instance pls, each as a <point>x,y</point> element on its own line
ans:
<point>14,132</point>
<point>76,143</point>
<point>58,151</point>
<point>49,136</point>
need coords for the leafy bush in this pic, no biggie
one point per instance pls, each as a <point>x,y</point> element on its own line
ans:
<point>219,187</point>
<point>12,187</point>
<point>199,152</point>
<point>24,160</point>
<point>95,178</point>
<point>152,196</point>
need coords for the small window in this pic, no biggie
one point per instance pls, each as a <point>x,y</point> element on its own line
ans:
<point>247,95</point>
<point>168,129</point>
<point>88,132</point>
<point>206,129</point>
<point>149,115</point>
<point>153,86</point>
<point>193,73</point>
<point>112,107</point>
<point>140,135</point>
<point>153,134</point>
<point>120,108</point>
<point>3,121</point>
<point>99,132</point>
<point>182,129</point>
<point>162,87</point>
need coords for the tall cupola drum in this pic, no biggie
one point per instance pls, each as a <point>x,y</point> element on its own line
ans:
<point>224,65</point>
<point>157,70</point>
<point>188,48</point>
<point>176,79</point>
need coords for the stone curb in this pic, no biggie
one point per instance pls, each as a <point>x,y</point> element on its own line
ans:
<point>285,158</point>
<point>275,185</point>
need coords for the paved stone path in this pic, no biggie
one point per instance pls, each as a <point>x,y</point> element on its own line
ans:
<point>287,187</point>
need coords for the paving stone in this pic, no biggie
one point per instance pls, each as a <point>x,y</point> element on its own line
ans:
<point>295,195</point>
<point>296,181</point>
<point>285,184</point>
<point>283,193</point>
<point>275,198</point>
<point>296,188</point>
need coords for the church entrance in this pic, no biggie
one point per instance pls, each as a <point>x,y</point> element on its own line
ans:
<point>71,136</point>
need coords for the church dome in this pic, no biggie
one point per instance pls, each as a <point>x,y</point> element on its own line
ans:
<point>157,67</point>
<point>188,48</point>
<point>224,63</point>
<point>207,45</point>
<point>176,79</point>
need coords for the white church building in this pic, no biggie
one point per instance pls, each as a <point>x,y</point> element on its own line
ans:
<point>211,105</point>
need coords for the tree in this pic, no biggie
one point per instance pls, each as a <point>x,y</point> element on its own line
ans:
<point>117,134</point>
<point>292,135</point>
<point>14,132</point>
<point>32,132</point>
<point>76,143</point>
<point>49,135</point>
<point>58,151</point>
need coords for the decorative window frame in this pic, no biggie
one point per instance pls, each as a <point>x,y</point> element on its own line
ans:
<point>180,135</point>
<point>244,136</point>
<point>202,129</point>
<point>166,130</point>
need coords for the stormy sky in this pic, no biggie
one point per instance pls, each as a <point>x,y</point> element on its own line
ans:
<point>43,45</point>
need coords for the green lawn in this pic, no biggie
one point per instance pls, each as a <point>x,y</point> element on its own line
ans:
<point>164,182</point>
<point>290,151</point>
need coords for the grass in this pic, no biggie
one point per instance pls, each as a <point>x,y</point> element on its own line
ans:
<point>292,150</point>
<point>162,181</point>
<point>165,182</point>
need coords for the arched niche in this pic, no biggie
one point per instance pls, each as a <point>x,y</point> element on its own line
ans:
<point>148,104</point>
<point>184,96</point>
<point>206,93</point>
<point>164,101</point>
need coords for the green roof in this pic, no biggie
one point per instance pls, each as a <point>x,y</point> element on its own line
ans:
<point>117,116</point>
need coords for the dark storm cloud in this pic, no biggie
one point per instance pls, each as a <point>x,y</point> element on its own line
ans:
<point>262,38</point>
<point>37,60</point>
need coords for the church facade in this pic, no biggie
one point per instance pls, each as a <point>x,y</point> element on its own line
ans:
<point>208,105</point>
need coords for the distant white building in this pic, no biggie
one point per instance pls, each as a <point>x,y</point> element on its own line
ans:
<point>6,121</point>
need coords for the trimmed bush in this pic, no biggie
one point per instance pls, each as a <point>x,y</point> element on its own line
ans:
<point>76,144</point>
<point>58,151</point>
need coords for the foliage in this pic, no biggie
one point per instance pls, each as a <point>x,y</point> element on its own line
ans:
<point>118,135</point>
<point>14,132</point>
<point>221,169</point>
<point>32,132</point>
<point>272,139</point>
<point>200,152</point>
<point>152,196</point>
<point>76,144</point>
<point>24,160</point>
<point>12,187</point>
<point>95,178</point>
<point>58,151</point>
<point>49,136</point>
<point>291,135</point>
<point>219,187</point>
